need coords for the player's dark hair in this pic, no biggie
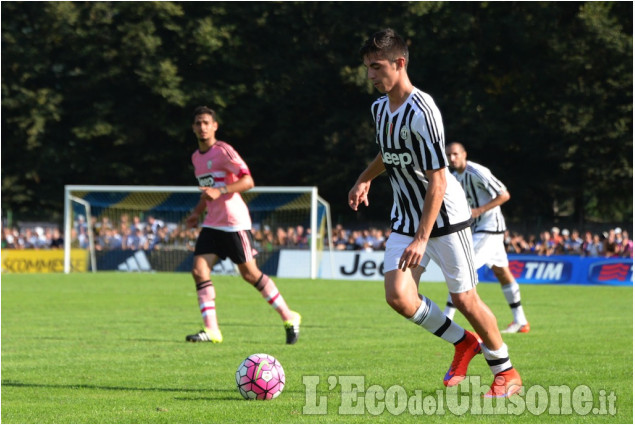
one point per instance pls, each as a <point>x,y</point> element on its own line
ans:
<point>457,143</point>
<point>200,110</point>
<point>387,44</point>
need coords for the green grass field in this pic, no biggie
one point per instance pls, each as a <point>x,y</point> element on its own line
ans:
<point>110,348</point>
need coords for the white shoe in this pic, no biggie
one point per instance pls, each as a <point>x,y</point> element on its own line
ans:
<point>514,327</point>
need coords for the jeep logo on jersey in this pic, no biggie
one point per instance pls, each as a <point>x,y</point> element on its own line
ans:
<point>397,158</point>
<point>206,181</point>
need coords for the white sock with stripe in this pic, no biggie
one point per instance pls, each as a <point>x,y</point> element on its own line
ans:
<point>449,309</point>
<point>208,313</point>
<point>498,360</point>
<point>206,301</point>
<point>275,299</point>
<point>512,295</point>
<point>431,318</point>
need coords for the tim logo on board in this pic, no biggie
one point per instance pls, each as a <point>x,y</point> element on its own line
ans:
<point>540,270</point>
<point>607,273</point>
<point>543,270</point>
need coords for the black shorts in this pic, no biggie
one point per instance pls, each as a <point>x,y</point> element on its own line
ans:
<point>238,246</point>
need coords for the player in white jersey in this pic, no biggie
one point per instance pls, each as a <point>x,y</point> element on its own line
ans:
<point>430,216</point>
<point>226,231</point>
<point>485,194</point>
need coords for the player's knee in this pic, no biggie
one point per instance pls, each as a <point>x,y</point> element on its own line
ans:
<point>499,272</point>
<point>252,278</point>
<point>397,302</point>
<point>200,274</point>
<point>463,302</point>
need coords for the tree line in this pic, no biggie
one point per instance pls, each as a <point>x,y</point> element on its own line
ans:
<point>102,93</point>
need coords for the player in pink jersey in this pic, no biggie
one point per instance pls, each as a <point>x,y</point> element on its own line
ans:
<point>226,231</point>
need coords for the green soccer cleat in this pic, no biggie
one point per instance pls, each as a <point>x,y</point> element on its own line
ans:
<point>292,328</point>
<point>203,336</point>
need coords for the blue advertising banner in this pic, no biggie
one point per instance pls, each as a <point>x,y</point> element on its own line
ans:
<point>554,270</point>
<point>566,270</point>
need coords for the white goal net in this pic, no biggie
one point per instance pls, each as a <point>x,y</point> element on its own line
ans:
<point>142,228</point>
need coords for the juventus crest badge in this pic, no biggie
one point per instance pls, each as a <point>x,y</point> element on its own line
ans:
<point>404,133</point>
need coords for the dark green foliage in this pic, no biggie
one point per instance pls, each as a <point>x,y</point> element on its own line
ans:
<point>102,93</point>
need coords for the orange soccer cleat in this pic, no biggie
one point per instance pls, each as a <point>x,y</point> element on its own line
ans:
<point>463,354</point>
<point>505,384</point>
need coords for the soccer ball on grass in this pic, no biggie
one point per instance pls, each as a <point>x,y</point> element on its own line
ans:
<point>260,377</point>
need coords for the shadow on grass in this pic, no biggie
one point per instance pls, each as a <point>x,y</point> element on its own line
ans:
<point>238,397</point>
<point>243,324</point>
<point>212,391</point>
<point>104,387</point>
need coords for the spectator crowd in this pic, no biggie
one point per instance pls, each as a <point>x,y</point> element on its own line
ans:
<point>155,234</point>
<point>611,243</point>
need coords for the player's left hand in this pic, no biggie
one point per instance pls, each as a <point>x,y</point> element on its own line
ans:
<point>358,195</point>
<point>192,221</point>
<point>209,193</point>
<point>412,255</point>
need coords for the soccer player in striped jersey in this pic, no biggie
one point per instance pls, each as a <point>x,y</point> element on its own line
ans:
<point>485,194</point>
<point>430,216</point>
<point>226,231</point>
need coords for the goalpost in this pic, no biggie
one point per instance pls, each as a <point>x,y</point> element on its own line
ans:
<point>104,221</point>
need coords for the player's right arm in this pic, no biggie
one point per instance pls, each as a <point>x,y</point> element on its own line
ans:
<point>437,184</point>
<point>359,193</point>
<point>243,184</point>
<point>192,220</point>
<point>500,199</point>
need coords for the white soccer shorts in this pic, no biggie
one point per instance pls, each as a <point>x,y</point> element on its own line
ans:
<point>489,249</point>
<point>453,253</point>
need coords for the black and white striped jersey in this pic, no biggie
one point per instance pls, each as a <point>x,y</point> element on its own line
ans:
<point>480,187</point>
<point>411,141</point>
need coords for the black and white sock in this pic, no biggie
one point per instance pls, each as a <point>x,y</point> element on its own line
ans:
<point>512,295</point>
<point>498,360</point>
<point>449,309</point>
<point>431,318</point>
